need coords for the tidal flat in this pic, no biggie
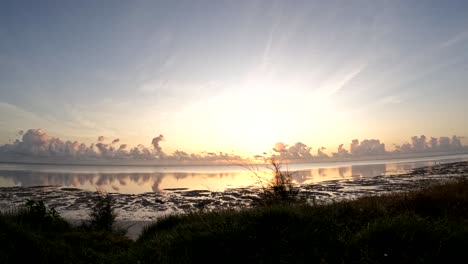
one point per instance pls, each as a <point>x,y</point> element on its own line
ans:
<point>134,211</point>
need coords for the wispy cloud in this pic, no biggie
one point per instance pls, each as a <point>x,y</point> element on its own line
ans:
<point>391,99</point>
<point>332,86</point>
<point>18,117</point>
<point>456,39</point>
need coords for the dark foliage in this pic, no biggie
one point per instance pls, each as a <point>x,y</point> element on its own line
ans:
<point>396,228</point>
<point>102,214</point>
<point>422,226</point>
<point>35,233</point>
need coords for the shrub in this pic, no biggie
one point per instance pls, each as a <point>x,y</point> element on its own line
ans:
<point>37,214</point>
<point>278,189</point>
<point>102,214</point>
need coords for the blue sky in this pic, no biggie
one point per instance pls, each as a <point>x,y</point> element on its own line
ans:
<point>234,75</point>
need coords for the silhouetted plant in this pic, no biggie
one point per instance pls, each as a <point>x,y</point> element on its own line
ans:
<point>279,189</point>
<point>39,215</point>
<point>38,209</point>
<point>102,213</point>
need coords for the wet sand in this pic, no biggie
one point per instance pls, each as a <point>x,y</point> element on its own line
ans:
<point>134,211</point>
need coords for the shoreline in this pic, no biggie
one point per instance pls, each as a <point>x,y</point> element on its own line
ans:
<point>136,211</point>
<point>247,162</point>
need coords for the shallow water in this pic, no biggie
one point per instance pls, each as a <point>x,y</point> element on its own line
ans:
<point>143,179</point>
<point>145,195</point>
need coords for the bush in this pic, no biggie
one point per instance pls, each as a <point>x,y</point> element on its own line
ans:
<point>39,216</point>
<point>38,210</point>
<point>34,232</point>
<point>102,213</point>
<point>279,189</point>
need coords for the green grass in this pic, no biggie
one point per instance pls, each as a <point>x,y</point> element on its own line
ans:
<point>425,226</point>
<point>422,226</point>
<point>36,233</point>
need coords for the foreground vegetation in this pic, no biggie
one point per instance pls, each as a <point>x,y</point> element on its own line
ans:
<point>422,226</point>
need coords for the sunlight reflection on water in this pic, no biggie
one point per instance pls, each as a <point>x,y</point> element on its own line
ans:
<point>143,179</point>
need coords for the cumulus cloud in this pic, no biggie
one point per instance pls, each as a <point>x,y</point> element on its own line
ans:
<point>422,144</point>
<point>259,157</point>
<point>367,147</point>
<point>141,152</point>
<point>296,151</point>
<point>155,142</point>
<point>341,152</point>
<point>122,147</point>
<point>434,143</point>
<point>35,137</point>
<point>37,143</point>
<point>280,147</point>
<point>321,153</point>
<point>416,144</point>
<point>300,151</point>
<point>103,149</point>
<point>179,155</point>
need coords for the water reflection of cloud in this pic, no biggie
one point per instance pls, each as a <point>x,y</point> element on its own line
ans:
<point>101,181</point>
<point>365,171</point>
<point>301,176</point>
<point>155,187</point>
<point>343,171</point>
<point>322,172</point>
<point>337,173</point>
<point>158,181</point>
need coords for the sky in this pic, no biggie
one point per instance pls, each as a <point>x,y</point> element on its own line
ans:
<point>234,76</point>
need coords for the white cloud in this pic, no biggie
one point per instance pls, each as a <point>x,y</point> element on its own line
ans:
<point>37,143</point>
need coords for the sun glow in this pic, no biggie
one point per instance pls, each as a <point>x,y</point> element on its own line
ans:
<point>260,113</point>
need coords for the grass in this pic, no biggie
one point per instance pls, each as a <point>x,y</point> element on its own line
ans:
<point>422,226</point>
<point>38,233</point>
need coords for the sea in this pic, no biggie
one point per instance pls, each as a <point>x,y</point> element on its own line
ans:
<point>218,178</point>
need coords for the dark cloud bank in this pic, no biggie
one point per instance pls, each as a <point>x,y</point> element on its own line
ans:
<point>35,145</point>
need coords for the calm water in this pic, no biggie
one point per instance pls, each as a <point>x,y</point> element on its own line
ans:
<point>143,179</point>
